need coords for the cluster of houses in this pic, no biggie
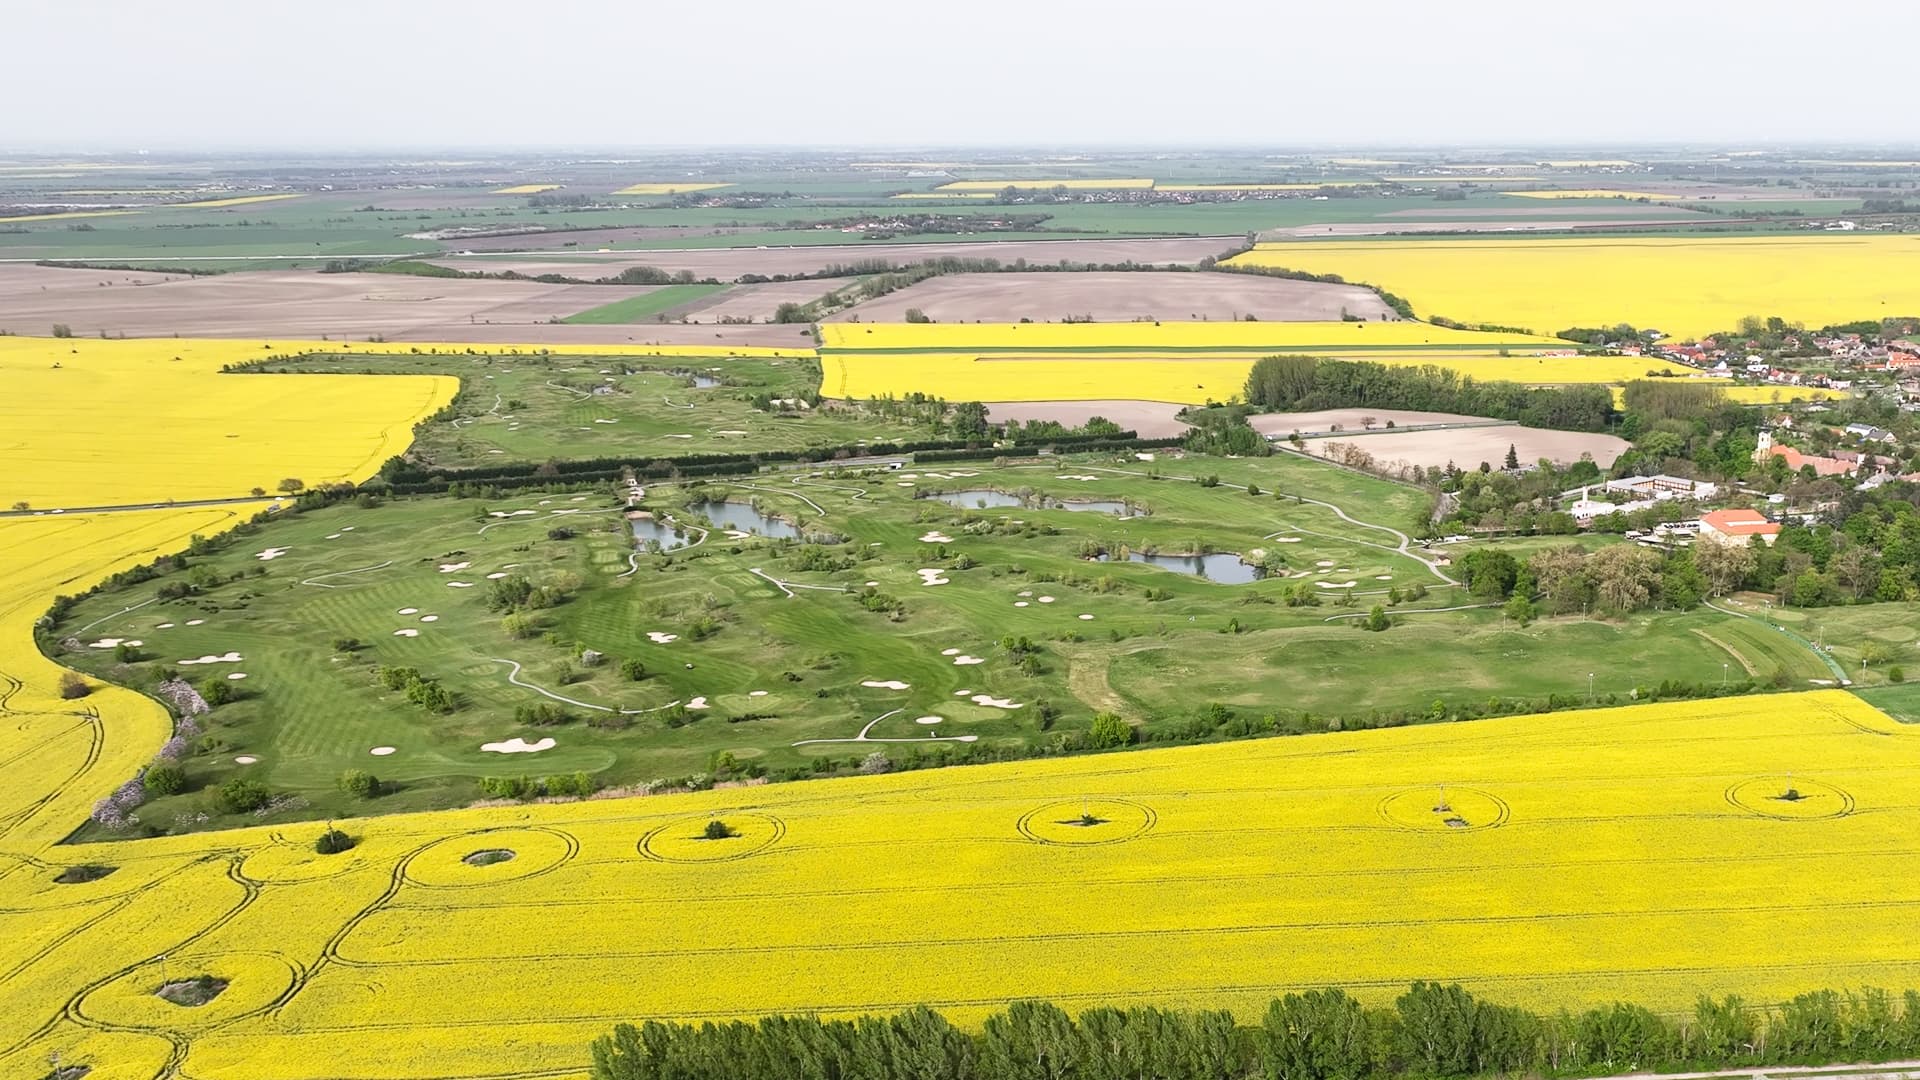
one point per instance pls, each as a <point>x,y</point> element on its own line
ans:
<point>1730,526</point>
<point>1899,357</point>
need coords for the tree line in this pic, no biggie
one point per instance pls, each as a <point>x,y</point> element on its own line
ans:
<point>1431,1032</point>
<point>1288,383</point>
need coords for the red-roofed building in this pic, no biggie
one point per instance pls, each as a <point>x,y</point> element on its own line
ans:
<point>1737,527</point>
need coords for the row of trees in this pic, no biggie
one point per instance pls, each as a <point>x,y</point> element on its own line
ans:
<point>1285,383</point>
<point>1431,1032</point>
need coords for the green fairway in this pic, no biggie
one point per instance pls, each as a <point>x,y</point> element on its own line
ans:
<point>644,306</point>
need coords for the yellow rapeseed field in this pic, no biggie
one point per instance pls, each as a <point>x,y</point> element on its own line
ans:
<point>1173,337</point>
<point>944,195</point>
<point>527,189</point>
<point>68,214</point>
<point>234,200</point>
<point>1687,286</point>
<point>667,188</point>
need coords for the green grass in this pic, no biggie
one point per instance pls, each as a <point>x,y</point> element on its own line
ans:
<point>644,306</point>
<point>1901,702</point>
<point>1159,645</point>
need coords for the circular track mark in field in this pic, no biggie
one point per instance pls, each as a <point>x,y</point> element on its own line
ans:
<point>684,839</point>
<point>1088,822</point>
<point>1789,798</point>
<point>1444,810</point>
<point>291,857</point>
<point>256,982</point>
<point>444,864</point>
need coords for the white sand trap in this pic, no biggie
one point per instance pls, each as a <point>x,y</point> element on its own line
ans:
<point>544,502</point>
<point>697,703</point>
<point>450,567</point>
<point>164,626</point>
<point>347,528</point>
<point>195,622</point>
<point>409,611</point>
<point>1143,457</point>
<point>381,751</point>
<point>578,498</point>
<point>459,584</point>
<point>518,745</point>
<point>756,693</point>
<point>496,575</point>
<point>606,421</point>
<point>929,720</point>
<point>1024,592</point>
<point>967,661</point>
<point>659,638</point>
<point>931,577</point>
<point>736,534</point>
<point>1286,539</point>
<point>224,658</point>
<point>995,702</point>
<point>499,452</point>
<point>871,584</point>
<point>731,431</point>
<point>904,483</point>
<point>911,476</point>
<point>1020,603</point>
<point>1336,584</point>
<point>429,618</point>
<point>245,759</point>
<point>936,538</point>
<point>679,436</point>
<point>1086,618</point>
<point>271,553</point>
<point>106,643</point>
<point>1046,599</point>
<point>236,676</point>
<point>406,632</point>
<point>886,684</point>
<point>949,652</point>
<point>333,536</point>
<point>1383,577</point>
<point>1344,570</point>
<point>1324,562</point>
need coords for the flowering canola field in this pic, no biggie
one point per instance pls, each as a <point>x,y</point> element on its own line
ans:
<point>1642,853</point>
<point>1686,286</point>
<point>1187,362</point>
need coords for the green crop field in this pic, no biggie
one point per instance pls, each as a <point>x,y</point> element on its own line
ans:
<point>644,306</point>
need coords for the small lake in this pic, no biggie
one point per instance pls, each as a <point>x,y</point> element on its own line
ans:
<point>984,499</point>
<point>645,529</point>
<point>1225,568</point>
<point>705,382</point>
<point>742,517</point>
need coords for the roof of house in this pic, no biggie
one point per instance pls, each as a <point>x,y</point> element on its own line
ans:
<point>1822,466</point>
<point>1739,523</point>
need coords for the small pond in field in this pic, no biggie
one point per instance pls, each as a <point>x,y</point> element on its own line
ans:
<point>982,499</point>
<point>659,532</point>
<point>1225,567</point>
<point>742,517</point>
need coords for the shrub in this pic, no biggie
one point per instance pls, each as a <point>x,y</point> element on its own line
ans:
<point>164,780</point>
<point>1896,674</point>
<point>217,691</point>
<point>346,644</point>
<point>716,830</point>
<point>632,670</point>
<point>332,842</point>
<point>1109,730</point>
<point>544,714</point>
<point>359,783</point>
<point>72,686</point>
<point>241,796</point>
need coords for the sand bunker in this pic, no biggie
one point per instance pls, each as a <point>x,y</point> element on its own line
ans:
<point>936,538</point>
<point>1383,577</point>
<point>697,703</point>
<point>517,745</point>
<point>333,536</point>
<point>113,642</point>
<point>756,693</point>
<point>429,618</point>
<point>512,513</point>
<point>381,751</point>
<point>606,421</point>
<point>886,684</point>
<point>406,632</point>
<point>271,553</point>
<point>929,719</point>
<point>1336,584</point>
<point>496,575</point>
<point>1086,618</point>
<point>949,652</point>
<point>659,638</point>
<point>1046,599</point>
<point>1286,539</point>
<point>195,622</point>
<point>450,567</point>
<point>994,702</point>
<point>164,626</point>
<point>245,759</point>
<point>409,611</point>
<point>1020,603</point>
<point>236,676</point>
<point>931,577</point>
<point>459,584</point>
<point>224,658</point>
<point>967,661</point>
<point>1324,562</point>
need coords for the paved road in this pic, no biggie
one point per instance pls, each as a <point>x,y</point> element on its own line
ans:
<point>121,508</point>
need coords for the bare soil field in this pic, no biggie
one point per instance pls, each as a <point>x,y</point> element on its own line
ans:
<point>587,240</point>
<point>1352,420</point>
<point>1149,419</point>
<point>297,304</point>
<point>1468,447</point>
<point>727,264</point>
<point>1121,297</point>
<point>1557,208</point>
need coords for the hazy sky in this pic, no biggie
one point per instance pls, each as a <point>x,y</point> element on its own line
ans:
<point>338,74</point>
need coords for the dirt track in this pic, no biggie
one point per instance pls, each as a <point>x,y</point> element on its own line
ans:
<point>1468,447</point>
<point>1121,297</point>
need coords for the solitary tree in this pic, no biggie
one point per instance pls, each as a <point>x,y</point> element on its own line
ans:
<point>292,485</point>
